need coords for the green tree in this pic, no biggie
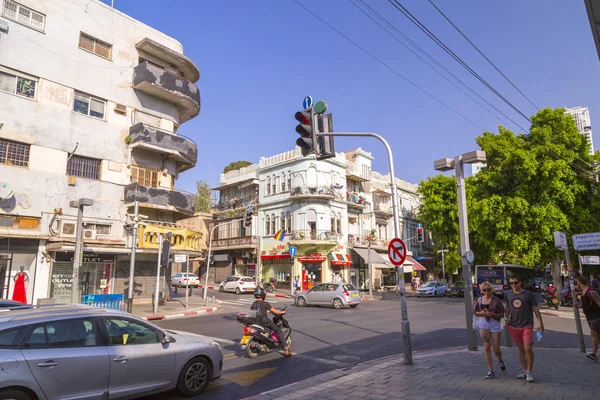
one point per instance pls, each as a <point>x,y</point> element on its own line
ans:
<point>236,165</point>
<point>203,201</point>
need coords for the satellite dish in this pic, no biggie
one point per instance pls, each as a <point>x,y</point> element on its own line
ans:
<point>5,191</point>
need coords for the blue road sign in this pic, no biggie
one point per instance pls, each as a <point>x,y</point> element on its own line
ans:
<point>308,102</point>
<point>419,225</point>
<point>250,208</point>
<point>293,250</point>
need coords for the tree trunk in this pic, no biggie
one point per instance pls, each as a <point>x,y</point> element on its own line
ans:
<point>556,273</point>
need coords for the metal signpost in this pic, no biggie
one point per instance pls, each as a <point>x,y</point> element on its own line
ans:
<point>158,266</point>
<point>560,242</point>
<point>180,259</point>
<point>397,255</point>
<point>293,251</point>
<point>134,238</point>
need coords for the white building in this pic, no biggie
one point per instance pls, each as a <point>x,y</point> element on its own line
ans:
<point>332,211</point>
<point>584,124</point>
<point>90,104</point>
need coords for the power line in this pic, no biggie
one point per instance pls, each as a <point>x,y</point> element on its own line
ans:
<point>387,66</point>
<point>433,60</point>
<point>433,37</point>
<point>483,55</point>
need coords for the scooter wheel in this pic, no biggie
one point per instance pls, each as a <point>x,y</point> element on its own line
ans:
<point>556,307</point>
<point>251,351</point>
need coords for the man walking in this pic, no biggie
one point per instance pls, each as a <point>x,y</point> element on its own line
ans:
<point>521,305</point>
<point>590,303</point>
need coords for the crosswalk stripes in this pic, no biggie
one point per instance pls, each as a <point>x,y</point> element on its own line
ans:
<point>248,302</point>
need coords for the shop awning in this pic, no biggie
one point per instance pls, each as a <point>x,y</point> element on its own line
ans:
<point>377,259</point>
<point>340,259</point>
<point>410,264</point>
<point>312,258</point>
<point>275,256</point>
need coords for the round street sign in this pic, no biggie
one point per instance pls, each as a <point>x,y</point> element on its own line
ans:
<point>397,251</point>
<point>308,102</point>
<point>320,107</point>
<point>470,256</point>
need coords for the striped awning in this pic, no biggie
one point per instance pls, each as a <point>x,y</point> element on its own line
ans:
<point>275,256</point>
<point>340,259</point>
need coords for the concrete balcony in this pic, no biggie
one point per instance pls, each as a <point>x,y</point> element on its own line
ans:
<point>182,239</point>
<point>312,192</point>
<point>383,210</point>
<point>317,236</point>
<point>172,200</point>
<point>180,148</point>
<point>236,204</point>
<point>354,172</point>
<point>248,242</point>
<point>155,81</point>
<point>367,240</point>
<point>357,201</point>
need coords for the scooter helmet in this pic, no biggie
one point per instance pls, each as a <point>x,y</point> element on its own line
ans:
<point>259,293</point>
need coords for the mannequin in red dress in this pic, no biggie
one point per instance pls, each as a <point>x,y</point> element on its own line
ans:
<point>20,291</point>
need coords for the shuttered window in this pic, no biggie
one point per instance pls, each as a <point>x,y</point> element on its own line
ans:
<point>84,167</point>
<point>14,153</point>
<point>96,46</point>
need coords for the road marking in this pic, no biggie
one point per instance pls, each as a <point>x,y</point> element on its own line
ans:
<point>248,378</point>
<point>220,340</point>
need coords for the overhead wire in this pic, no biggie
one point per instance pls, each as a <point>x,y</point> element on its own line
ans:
<point>394,28</point>
<point>483,55</point>
<point>388,66</point>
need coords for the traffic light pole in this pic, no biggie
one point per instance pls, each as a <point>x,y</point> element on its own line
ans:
<point>407,354</point>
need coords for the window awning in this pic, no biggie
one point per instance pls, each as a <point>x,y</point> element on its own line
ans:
<point>413,265</point>
<point>275,256</point>
<point>340,259</point>
<point>312,258</point>
<point>377,259</point>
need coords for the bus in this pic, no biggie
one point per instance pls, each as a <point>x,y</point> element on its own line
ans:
<point>498,275</point>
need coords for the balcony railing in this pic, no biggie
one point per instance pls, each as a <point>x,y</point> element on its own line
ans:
<point>313,191</point>
<point>315,235</point>
<point>366,240</point>
<point>357,200</point>
<point>182,239</point>
<point>382,209</point>
<point>239,242</point>
<point>155,81</point>
<point>173,200</point>
<point>354,172</point>
<point>236,203</point>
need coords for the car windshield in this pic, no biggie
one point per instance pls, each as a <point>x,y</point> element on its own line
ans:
<point>247,280</point>
<point>350,287</point>
<point>429,285</point>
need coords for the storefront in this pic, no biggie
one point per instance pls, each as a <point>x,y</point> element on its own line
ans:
<point>96,275</point>
<point>382,269</point>
<point>314,270</point>
<point>18,267</point>
<point>277,269</point>
<point>340,263</point>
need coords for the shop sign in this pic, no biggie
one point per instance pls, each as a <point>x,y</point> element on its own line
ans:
<point>103,283</point>
<point>87,257</point>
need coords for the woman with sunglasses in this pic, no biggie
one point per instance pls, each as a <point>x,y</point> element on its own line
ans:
<point>491,310</point>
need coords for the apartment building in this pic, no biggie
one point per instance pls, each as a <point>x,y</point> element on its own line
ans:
<point>334,212</point>
<point>91,101</point>
<point>581,115</point>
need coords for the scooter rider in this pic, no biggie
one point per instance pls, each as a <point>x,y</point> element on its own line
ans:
<point>262,308</point>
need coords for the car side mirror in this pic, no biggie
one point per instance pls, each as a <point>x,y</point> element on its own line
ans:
<point>168,339</point>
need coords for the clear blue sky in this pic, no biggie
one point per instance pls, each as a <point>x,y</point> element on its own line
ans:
<point>259,58</point>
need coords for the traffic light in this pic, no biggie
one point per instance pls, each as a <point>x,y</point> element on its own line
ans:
<point>325,144</point>
<point>248,217</point>
<point>308,138</point>
<point>420,237</point>
<point>166,247</point>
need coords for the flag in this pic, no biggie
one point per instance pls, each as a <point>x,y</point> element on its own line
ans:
<point>280,235</point>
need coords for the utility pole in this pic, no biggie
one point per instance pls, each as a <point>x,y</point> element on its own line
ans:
<point>158,266</point>
<point>443,250</point>
<point>370,270</point>
<point>78,259</point>
<point>134,237</point>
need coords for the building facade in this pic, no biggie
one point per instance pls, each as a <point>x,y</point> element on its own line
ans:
<point>335,213</point>
<point>584,124</point>
<point>91,103</point>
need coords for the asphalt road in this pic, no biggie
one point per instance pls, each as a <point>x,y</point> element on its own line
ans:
<point>326,339</point>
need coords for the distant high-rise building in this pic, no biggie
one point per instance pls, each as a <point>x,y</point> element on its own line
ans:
<point>584,125</point>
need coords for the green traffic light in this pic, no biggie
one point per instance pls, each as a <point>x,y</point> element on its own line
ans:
<point>320,107</point>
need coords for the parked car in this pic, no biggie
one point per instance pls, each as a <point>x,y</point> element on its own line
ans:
<point>238,284</point>
<point>457,289</point>
<point>338,295</point>
<point>180,279</point>
<point>434,288</point>
<point>76,351</point>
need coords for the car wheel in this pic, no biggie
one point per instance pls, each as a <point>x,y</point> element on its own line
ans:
<point>251,350</point>
<point>13,394</point>
<point>353,305</point>
<point>337,304</point>
<point>301,302</point>
<point>194,377</point>
<point>238,291</point>
<point>221,290</point>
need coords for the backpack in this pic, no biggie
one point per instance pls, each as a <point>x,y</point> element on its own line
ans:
<point>595,284</point>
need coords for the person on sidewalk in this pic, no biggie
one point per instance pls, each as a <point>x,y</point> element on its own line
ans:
<point>590,303</point>
<point>521,305</point>
<point>491,310</point>
<point>262,309</point>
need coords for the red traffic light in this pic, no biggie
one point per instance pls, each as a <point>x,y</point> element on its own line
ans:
<point>302,117</point>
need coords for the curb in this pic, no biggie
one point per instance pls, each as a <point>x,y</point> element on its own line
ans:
<point>180,315</point>
<point>556,314</point>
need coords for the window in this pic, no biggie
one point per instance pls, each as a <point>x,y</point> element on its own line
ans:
<point>267,224</point>
<point>288,221</point>
<point>88,105</point>
<point>18,85</point>
<point>273,222</point>
<point>127,332</point>
<point>95,46</point>
<point>274,185</point>
<point>66,333</point>
<point>289,181</point>
<point>11,338</point>
<point>84,167</point>
<point>268,186</point>
<point>100,229</point>
<point>13,153</point>
<point>283,183</point>
<point>145,176</point>
<point>24,15</point>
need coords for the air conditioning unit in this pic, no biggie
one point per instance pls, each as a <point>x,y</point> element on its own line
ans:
<point>245,254</point>
<point>120,108</point>
<point>67,229</point>
<point>89,234</point>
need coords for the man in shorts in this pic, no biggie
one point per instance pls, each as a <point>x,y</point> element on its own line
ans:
<point>521,305</point>
<point>590,303</point>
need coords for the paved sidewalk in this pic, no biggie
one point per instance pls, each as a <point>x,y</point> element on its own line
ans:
<point>175,308</point>
<point>454,373</point>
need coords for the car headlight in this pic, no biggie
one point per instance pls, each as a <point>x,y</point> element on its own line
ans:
<point>215,345</point>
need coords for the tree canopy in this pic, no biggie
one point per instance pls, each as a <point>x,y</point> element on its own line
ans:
<point>532,185</point>
<point>232,166</point>
<point>203,201</point>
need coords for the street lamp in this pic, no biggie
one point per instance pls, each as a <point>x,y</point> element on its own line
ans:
<point>446,164</point>
<point>443,251</point>
<point>77,261</point>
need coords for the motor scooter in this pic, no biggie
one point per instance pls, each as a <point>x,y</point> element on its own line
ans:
<point>259,339</point>
<point>549,296</point>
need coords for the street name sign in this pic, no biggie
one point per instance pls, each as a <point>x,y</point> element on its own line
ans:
<point>560,240</point>
<point>180,258</point>
<point>586,241</point>
<point>591,260</point>
<point>397,251</point>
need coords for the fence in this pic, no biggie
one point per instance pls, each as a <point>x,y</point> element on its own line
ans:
<point>113,301</point>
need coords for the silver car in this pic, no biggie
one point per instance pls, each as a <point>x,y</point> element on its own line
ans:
<point>338,295</point>
<point>81,352</point>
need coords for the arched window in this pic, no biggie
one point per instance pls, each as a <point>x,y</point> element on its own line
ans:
<point>288,221</point>
<point>283,181</point>
<point>289,180</point>
<point>268,186</point>
<point>273,224</point>
<point>267,224</point>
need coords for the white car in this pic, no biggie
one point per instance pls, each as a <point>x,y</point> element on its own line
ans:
<point>183,278</point>
<point>238,284</point>
<point>432,289</point>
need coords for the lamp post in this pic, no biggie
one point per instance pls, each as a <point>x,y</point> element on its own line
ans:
<point>446,164</point>
<point>78,259</point>
<point>443,250</point>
